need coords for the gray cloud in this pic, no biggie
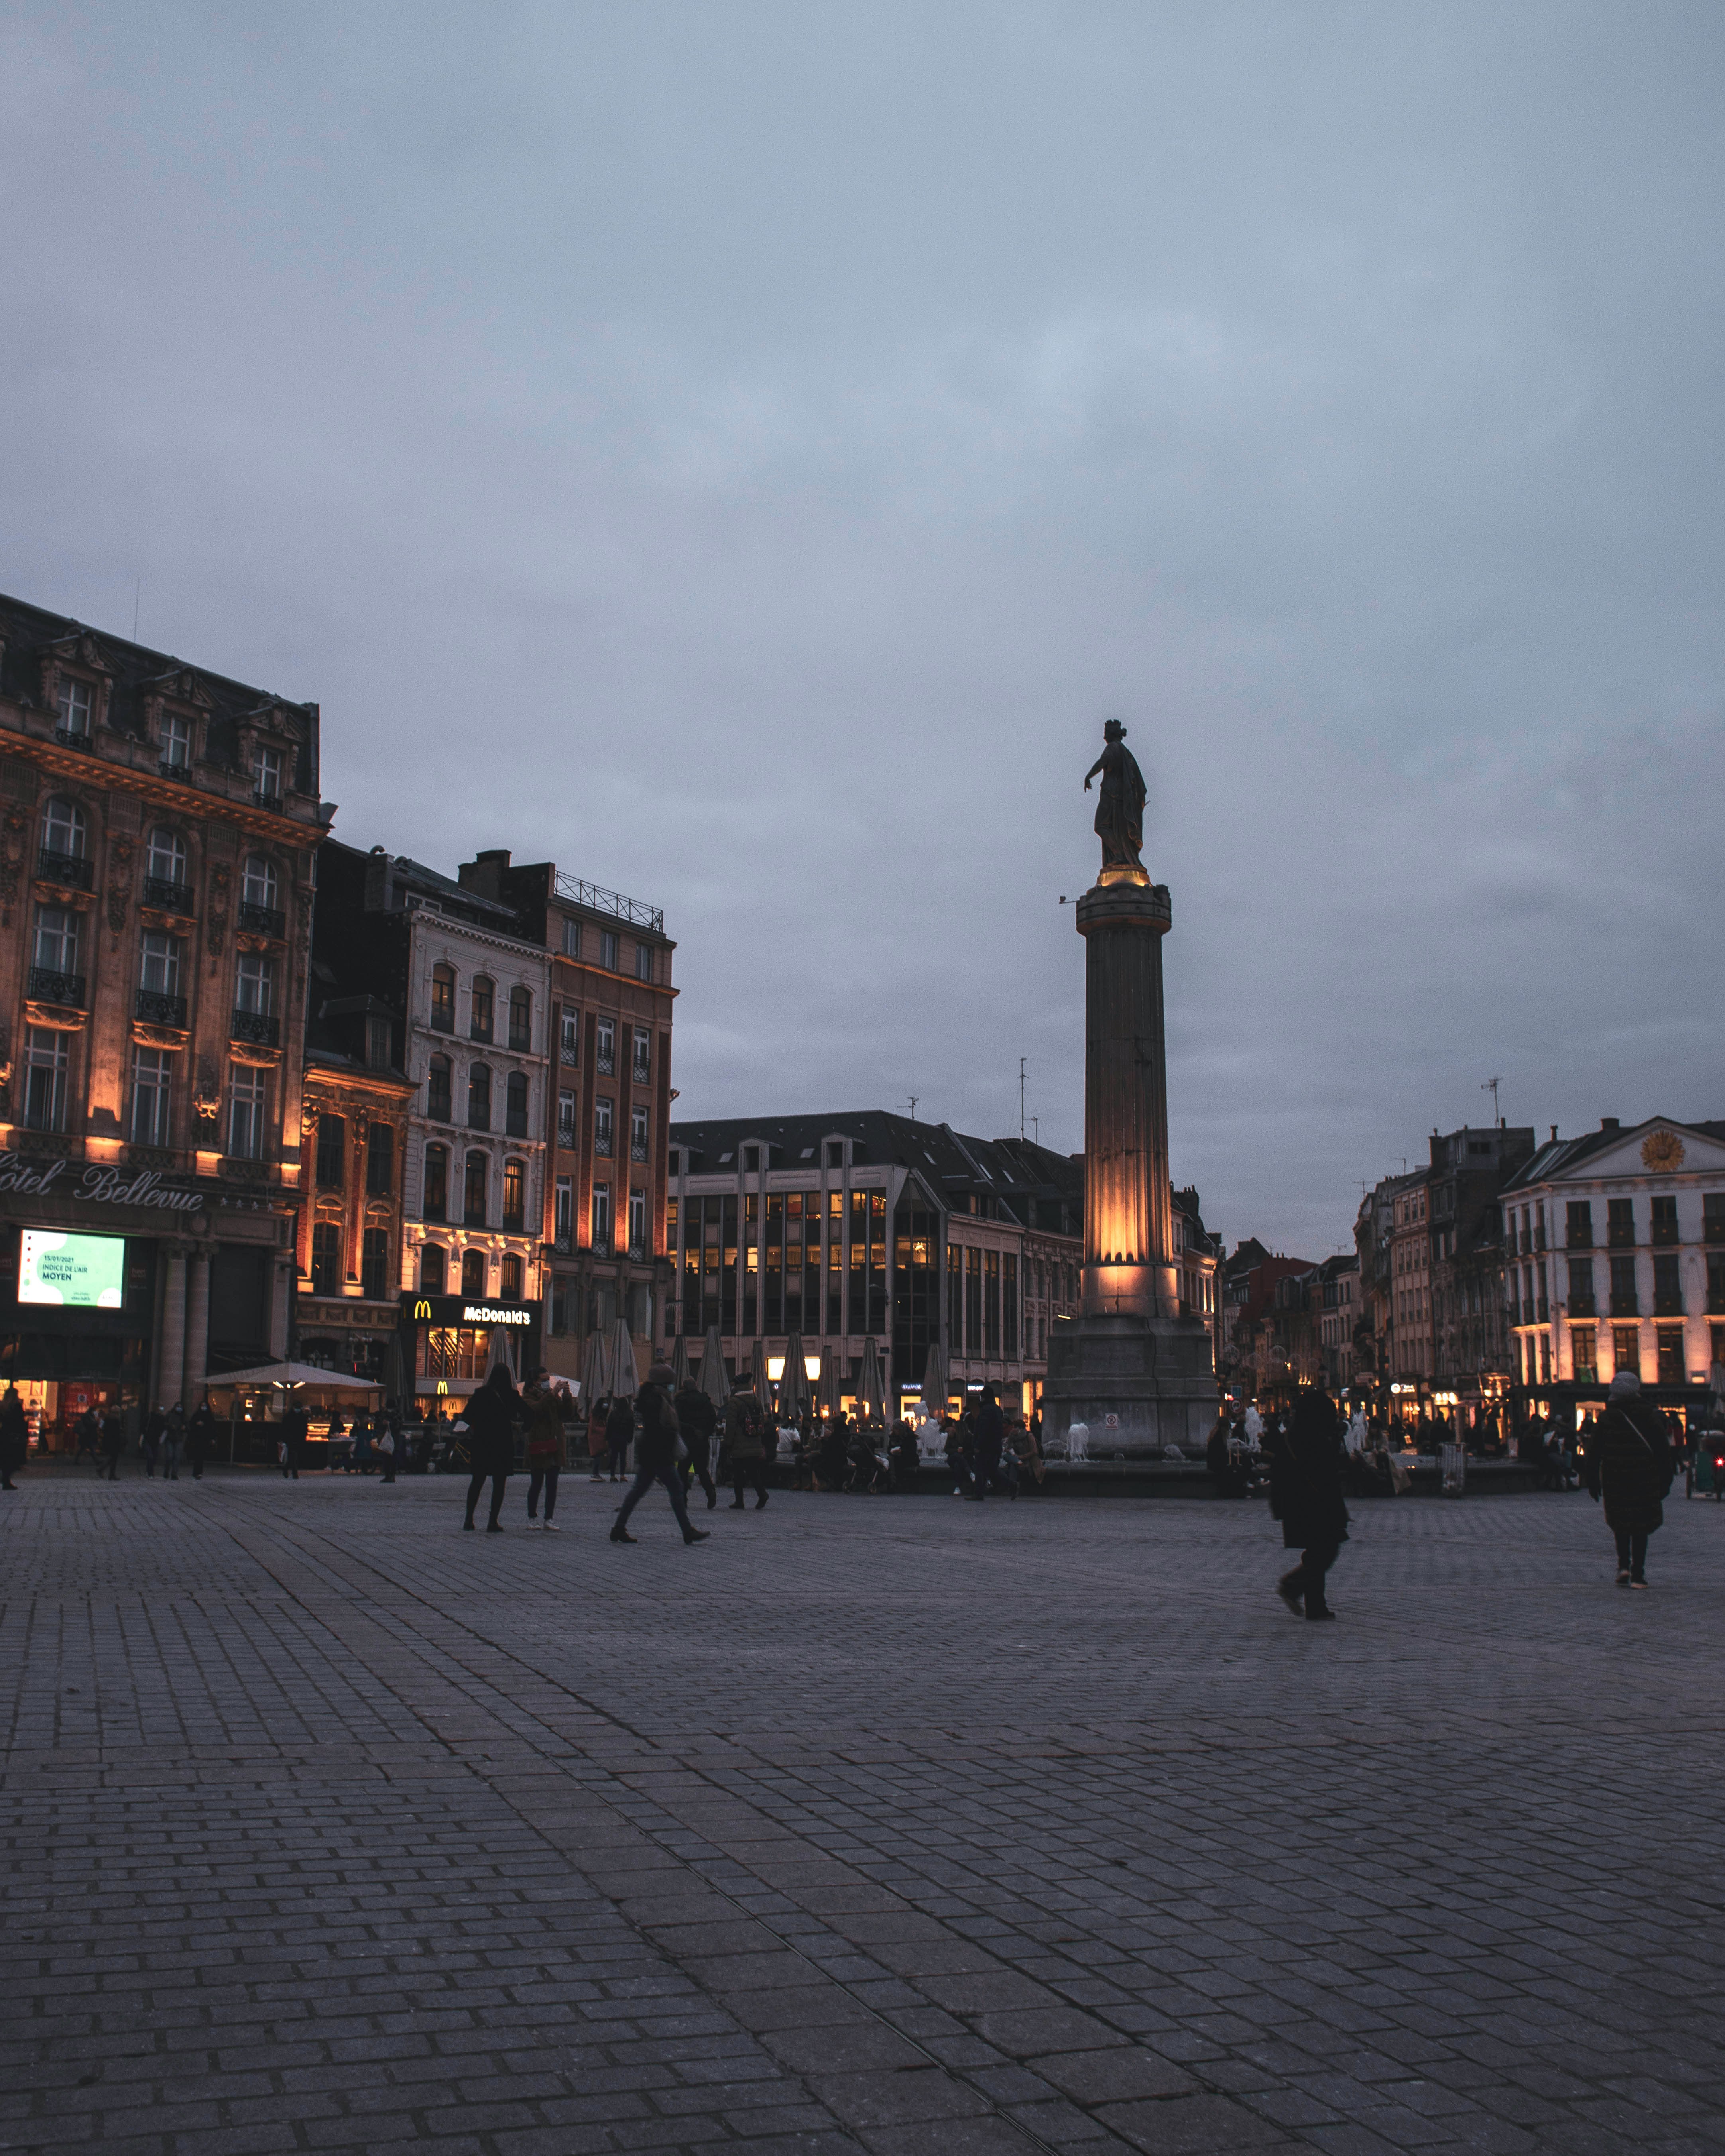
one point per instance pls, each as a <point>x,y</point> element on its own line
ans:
<point>743,451</point>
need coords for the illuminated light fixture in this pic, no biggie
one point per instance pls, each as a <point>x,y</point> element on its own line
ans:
<point>811,1368</point>
<point>775,1368</point>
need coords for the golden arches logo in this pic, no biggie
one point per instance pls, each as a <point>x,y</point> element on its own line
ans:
<point>422,1309</point>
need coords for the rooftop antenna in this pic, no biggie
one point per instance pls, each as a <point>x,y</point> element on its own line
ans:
<point>915,1098</point>
<point>1491,1086</point>
<point>1036,1131</point>
<point>136,597</point>
<point>1021,1099</point>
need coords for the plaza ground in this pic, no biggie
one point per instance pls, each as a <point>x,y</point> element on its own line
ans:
<point>893,1826</point>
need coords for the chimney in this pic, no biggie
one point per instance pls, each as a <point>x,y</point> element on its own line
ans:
<point>1609,1123</point>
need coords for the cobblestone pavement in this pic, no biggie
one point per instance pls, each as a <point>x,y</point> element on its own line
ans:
<point>893,1826</point>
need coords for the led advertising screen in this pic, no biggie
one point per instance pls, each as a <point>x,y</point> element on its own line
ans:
<point>77,1272</point>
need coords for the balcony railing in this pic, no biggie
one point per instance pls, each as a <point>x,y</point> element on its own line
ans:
<point>473,1217</point>
<point>515,1123</point>
<point>1668,1302</point>
<point>50,987</point>
<point>168,896</point>
<point>169,769</point>
<point>1664,1231</point>
<point>262,920</point>
<point>156,1009</point>
<point>570,1052</point>
<point>442,1021</point>
<point>74,737</point>
<point>257,1026</point>
<point>637,1152</point>
<point>1578,1238</point>
<point>520,1041</point>
<point>606,1065</point>
<point>1625,1304</point>
<point>1583,1305</point>
<point>601,900</point>
<point>75,870</point>
<point>640,1074</point>
<point>566,1135</point>
<point>515,1224</point>
<point>266,797</point>
<point>602,1145</point>
<point>1620,1235</point>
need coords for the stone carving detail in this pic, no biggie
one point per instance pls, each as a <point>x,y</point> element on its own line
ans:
<point>11,858</point>
<point>120,854</point>
<point>207,1100</point>
<point>221,882</point>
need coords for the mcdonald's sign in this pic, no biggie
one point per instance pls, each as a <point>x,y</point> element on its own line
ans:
<point>422,1310</point>
<point>458,1309</point>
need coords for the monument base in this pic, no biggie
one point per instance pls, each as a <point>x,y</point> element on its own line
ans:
<point>1139,1384</point>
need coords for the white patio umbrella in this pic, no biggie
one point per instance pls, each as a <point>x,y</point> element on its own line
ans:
<point>595,1382</point>
<point>870,1388</point>
<point>714,1380</point>
<point>934,1383</point>
<point>625,1374</point>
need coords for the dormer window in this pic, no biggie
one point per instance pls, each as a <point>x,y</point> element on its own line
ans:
<point>73,704</point>
<point>266,774</point>
<point>835,1153</point>
<point>175,740</point>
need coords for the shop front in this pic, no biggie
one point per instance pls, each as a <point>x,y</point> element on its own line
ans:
<point>120,1289</point>
<point>452,1341</point>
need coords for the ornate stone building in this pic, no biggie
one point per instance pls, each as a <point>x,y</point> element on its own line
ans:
<point>157,825</point>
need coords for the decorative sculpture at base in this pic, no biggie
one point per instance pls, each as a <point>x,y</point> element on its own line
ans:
<point>1130,1367</point>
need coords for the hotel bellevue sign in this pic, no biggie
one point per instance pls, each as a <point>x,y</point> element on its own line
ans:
<point>94,1186</point>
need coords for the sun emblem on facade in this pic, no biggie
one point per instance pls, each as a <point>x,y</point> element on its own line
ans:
<point>1661,1153</point>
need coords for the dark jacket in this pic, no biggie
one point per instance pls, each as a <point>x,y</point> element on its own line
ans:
<point>14,1433</point>
<point>697,1416</point>
<point>1630,1468</point>
<point>620,1422</point>
<point>492,1413</point>
<point>658,1445</point>
<point>742,1428</point>
<point>1305,1458</point>
<point>990,1431</point>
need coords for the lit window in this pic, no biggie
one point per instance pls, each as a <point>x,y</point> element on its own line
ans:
<point>515,1196</point>
<point>443,999</point>
<point>564,1216</point>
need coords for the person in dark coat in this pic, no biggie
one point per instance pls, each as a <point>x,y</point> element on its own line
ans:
<point>697,1419</point>
<point>619,1432</point>
<point>657,1456</point>
<point>1630,1466</point>
<point>745,1443</point>
<point>14,1437</point>
<point>295,1425</point>
<point>200,1435</point>
<point>1306,1462</point>
<point>990,1438</point>
<point>113,1442</point>
<point>492,1414</point>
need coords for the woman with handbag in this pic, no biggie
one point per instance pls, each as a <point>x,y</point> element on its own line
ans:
<point>492,1413</point>
<point>1630,1466</point>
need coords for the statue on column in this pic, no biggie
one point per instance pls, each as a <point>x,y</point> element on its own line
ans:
<point>1120,813</point>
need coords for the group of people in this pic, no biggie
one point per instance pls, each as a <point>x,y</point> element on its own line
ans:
<point>162,1438</point>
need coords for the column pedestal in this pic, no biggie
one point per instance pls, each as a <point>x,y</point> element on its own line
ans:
<point>1136,1373</point>
<point>171,1347</point>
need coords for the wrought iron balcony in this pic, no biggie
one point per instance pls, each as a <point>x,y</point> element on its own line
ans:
<point>442,1021</point>
<point>1578,1238</point>
<point>155,1008</point>
<point>168,896</point>
<point>74,870</point>
<point>168,769</point>
<point>262,920</point>
<point>50,987</point>
<point>267,797</point>
<point>602,1146</point>
<point>74,737</point>
<point>638,1153</point>
<point>570,1052</point>
<point>1625,1305</point>
<point>1664,1231</point>
<point>256,1026</point>
<point>1583,1305</point>
<point>520,1043</point>
<point>1668,1302</point>
<point>1620,1235</point>
<point>514,1224</point>
<point>606,1065</point>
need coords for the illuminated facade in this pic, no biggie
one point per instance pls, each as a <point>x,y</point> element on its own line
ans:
<point>1614,1257</point>
<point>157,826</point>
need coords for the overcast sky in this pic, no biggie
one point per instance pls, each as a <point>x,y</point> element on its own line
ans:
<point>744,452</point>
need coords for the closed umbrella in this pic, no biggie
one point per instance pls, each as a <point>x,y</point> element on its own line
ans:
<point>625,1374</point>
<point>831,1383</point>
<point>870,1390</point>
<point>502,1351</point>
<point>395,1374</point>
<point>794,1385</point>
<point>934,1383</point>
<point>714,1382</point>
<point>595,1382</point>
<point>680,1364</point>
<point>758,1370</point>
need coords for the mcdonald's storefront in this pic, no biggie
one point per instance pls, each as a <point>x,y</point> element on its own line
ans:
<point>450,1339</point>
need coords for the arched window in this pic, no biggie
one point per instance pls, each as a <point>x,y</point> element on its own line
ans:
<point>258,882</point>
<point>473,1274</point>
<point>165,858</point>
<point>515,1120</point>
<point>521,1020</point>
<point>479,1097</point>
<point>434,1263</point>
<point>475,1189</point>
<point>514,1197</point>
<point>435,1198</point>
<point>512,1278</point>
<point>64,832</point>
<point>437,1104</point>
<point>443,999</point>
<point>483,998</point>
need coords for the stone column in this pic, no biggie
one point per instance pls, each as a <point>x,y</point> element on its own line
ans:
<point>171,1347</point>
<point>197,1328</point>
<point>1128,1210</point>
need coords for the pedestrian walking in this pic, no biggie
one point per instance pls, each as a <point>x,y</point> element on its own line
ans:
<point>1630,1466</point>
<point>1306,1495</point>
<point>745,1443</point>
<point>113,1442</point>
<point>597,1447</point>
<point>200,1436</point>
<point>173,1443</point>
<point>990,1438</point>
<point>492,1414</point>
<point>14,1437</point>
<point>151,1443</point>
<point>387,1444</point>
<point>656,1456</point>
<point>547,1447</point>
<point>697,1419</point>
<point>619,1430</point>
<point>296,1424</point>
<point>89,1439</point>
